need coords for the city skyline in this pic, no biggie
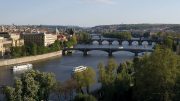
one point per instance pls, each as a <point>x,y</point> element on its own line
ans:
<point>88,13</point>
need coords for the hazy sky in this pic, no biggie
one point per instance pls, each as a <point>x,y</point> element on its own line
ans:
<point>89,12</point>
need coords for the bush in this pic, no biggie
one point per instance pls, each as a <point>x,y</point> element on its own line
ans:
<point>84,97</point>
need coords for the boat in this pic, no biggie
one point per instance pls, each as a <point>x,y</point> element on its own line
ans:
<point>22,67</point>
<point>79,69</point>
<point>120,47</point>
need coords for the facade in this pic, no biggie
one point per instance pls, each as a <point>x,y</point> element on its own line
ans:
<point>9,40</point>
<point>61,38</point>
<point>49,39</point>
<point>13,37</point>
<point>39,38</point>
<point>5,35</point>
<point>2,50</point>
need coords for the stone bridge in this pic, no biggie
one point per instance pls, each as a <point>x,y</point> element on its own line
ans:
<point>108,50</point>
<point>110,41</point>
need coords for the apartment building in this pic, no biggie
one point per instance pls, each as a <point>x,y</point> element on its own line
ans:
<point>2,50</point>
<point>13,37</point>
<point>39,38</point>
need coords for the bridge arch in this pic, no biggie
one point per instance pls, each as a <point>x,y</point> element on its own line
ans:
<point>135,43</point>
<point>105,42</point>
<point>115,42</point>
<point>125,43</point>
<point>95,42</point>
<point>153,43</point>
<point>145,43</point>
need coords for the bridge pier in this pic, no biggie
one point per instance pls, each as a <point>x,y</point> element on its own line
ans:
<point>149,43</point>
<point>63,52</point>
<point>139,43</point>
<point>120,43</point>
<point>130,43</point>
<point>100,42</point>
<point>110,54</point>
<point>85,53</point>
<point>136,54</point>
<point>110,42</point>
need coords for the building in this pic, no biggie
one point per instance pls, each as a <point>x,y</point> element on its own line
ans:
<point>5,35</point>
<point>2,50</point>
<point>14,37</point>
<point>39,38</point>
<point>61,38</point>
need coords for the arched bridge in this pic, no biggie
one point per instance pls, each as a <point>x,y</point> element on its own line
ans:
<point>120,41</point>
<point>108,50</point>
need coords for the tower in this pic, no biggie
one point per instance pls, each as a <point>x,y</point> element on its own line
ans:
<point>57,31</point>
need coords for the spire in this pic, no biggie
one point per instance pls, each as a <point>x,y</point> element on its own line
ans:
<point>57,31</point>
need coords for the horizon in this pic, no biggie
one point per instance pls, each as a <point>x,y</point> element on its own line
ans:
<point>89,13</point>
<point>88,26</point>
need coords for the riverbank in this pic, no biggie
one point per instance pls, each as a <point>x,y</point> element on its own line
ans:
<point>8,62</point>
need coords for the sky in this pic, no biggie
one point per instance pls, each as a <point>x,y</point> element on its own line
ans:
<point>88,13</point>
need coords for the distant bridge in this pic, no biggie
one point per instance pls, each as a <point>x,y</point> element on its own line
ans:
<point>140,41</point>
<point>120,41</point>
<point>108,50</point>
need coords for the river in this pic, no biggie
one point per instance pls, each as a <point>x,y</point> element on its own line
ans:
<point>62,66</point>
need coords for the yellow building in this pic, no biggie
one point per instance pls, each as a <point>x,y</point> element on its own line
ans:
<point>13,37</point>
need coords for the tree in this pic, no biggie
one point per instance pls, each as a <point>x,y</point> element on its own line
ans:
<point>83,37</point>
<point>168,42</point>
<point>34,49</point>
<point>31,86</point>
<point>9,93</point>
<point>85,79</point>
<point>84,97</point>
<point>119,35</point>
<point>116,82</point>
<point>155,76</point>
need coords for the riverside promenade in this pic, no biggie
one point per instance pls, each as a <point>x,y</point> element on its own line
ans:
<point>7,62</point>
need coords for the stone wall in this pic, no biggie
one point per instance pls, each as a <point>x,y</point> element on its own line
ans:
<point>29,58</point>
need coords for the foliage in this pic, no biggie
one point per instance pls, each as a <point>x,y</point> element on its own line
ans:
<point>168,42</point>
<point>84,79</point>
<point>84,97</point>
<point>31,86</point>
<point>155,76</point>
<point>65,91</point>
<point>115,80</point>
<point>34,49</point>
<point>72,41</point>
<point>119,35</point>
<point>83,37</point>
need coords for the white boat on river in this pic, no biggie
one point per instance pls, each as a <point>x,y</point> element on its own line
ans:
<point>79,69</point>
<point>22,67</point>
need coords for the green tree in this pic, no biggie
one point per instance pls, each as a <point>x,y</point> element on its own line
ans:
<point>83,37</point>
<point>85,79</point>
<point>31,86</point>
<point>168,42</point>
<point>9,93</point>
<point>115,85</point>
<point>155,76</point>
<point>84,97</point>
<point>34,49</point>
<point>119,35</point>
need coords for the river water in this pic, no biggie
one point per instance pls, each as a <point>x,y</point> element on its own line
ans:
<point>62,66</point>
